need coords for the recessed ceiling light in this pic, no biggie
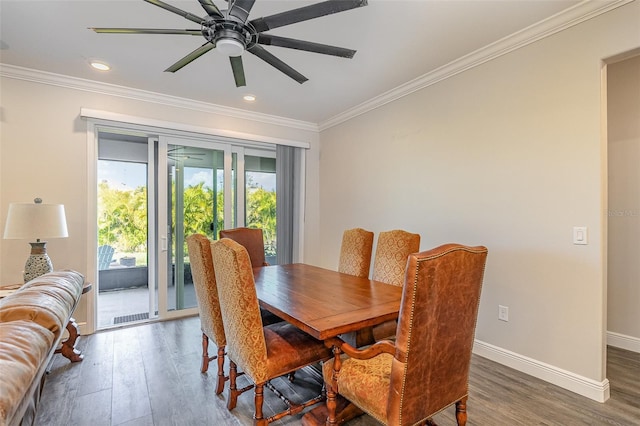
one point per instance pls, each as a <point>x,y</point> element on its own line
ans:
<point>249,98</point>
<point>100,66</point>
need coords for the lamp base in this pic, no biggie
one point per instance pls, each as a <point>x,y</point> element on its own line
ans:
<point>38,262</point>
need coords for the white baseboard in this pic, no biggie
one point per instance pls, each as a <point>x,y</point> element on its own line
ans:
<point>598,391</point>
<point>623,342</point>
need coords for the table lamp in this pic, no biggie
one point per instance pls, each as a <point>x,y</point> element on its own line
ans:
<point>36,221</point>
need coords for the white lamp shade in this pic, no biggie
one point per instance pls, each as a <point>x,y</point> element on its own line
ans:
<point>30,220</point>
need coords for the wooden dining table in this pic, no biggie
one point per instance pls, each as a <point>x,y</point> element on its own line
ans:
<point>325,304</point>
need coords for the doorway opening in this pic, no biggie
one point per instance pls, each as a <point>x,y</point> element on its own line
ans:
<point>623,224</point>
<point>123,231</point>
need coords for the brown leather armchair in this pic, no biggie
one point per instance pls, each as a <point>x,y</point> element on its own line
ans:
<point>355,252</point>
<point>252,239</point>
<point>427,368</point>
<point>263,353</point>
<point>204,282</point>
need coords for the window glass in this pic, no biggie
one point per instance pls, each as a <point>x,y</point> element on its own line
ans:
<point>260,200</point>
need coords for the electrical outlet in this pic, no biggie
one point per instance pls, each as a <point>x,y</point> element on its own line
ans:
<point>503,313</point>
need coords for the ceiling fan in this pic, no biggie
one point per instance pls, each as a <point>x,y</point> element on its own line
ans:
<point>230,32</point>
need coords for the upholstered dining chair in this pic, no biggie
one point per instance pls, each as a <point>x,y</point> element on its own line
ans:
<point>392,250</point>
<point>204,282</point>
<point>426,369</point>
<point>263,353</point>
<point>389,264</point>
<point>355,252</point>
<point>252,239</point>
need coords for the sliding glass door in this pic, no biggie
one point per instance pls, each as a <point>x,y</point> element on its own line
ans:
<point>165,189</point>
<point>193,200</point>
<point>201,196</point>
<point>191,191</point>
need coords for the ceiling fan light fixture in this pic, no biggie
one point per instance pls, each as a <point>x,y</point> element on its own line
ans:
<point>229,47</point>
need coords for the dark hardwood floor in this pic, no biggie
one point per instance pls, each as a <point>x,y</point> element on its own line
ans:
<point>150,375</point>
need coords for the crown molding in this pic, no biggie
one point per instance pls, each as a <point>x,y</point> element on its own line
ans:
<point>583,11</point>
<point>52,79</point>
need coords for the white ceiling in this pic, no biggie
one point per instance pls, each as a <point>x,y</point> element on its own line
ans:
<point>397,41</point>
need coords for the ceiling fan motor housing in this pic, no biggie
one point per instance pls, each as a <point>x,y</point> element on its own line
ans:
<point>216,30</point>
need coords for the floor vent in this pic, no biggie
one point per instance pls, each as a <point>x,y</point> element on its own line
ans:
<point>131,318</point>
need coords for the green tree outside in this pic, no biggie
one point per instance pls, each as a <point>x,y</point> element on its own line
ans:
<point>122,218</point>
<point>261,213</point>
<point>122,215</point>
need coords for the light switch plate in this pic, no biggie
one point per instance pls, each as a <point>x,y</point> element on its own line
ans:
<point>580,235</point>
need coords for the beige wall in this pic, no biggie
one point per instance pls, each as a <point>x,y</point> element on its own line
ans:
<point>44,153</point>
<point>510,155</point>
<point>623,95</point>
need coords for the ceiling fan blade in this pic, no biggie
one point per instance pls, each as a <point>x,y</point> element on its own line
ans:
<point>305,13</point>
<point>241,8</point>
<point>145,31</point>
<point>211,9</point>
<point>238,70</point>
<point>261,53</point>
<point>308,46</point>
<point>190,57</point>
<point>190,16</point>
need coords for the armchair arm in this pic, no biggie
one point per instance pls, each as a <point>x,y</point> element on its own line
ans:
<point>338,347</point>
<point>382,346</point>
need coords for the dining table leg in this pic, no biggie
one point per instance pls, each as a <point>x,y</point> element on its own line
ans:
<point>342,408</point>
<point>359,338</point>
<point>345,411</point>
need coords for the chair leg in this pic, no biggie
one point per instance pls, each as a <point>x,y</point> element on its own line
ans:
<point>233,390</point>
<point>221,377</point>
<point>205,354</point>
<point>258,417</point>
<point>461,411</point>
<point>331,407</point>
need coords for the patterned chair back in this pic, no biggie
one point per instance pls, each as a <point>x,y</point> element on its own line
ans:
<point>204,282</point>
<point>391,255</point>
<point>355,252</point>
<point>246,344</point>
